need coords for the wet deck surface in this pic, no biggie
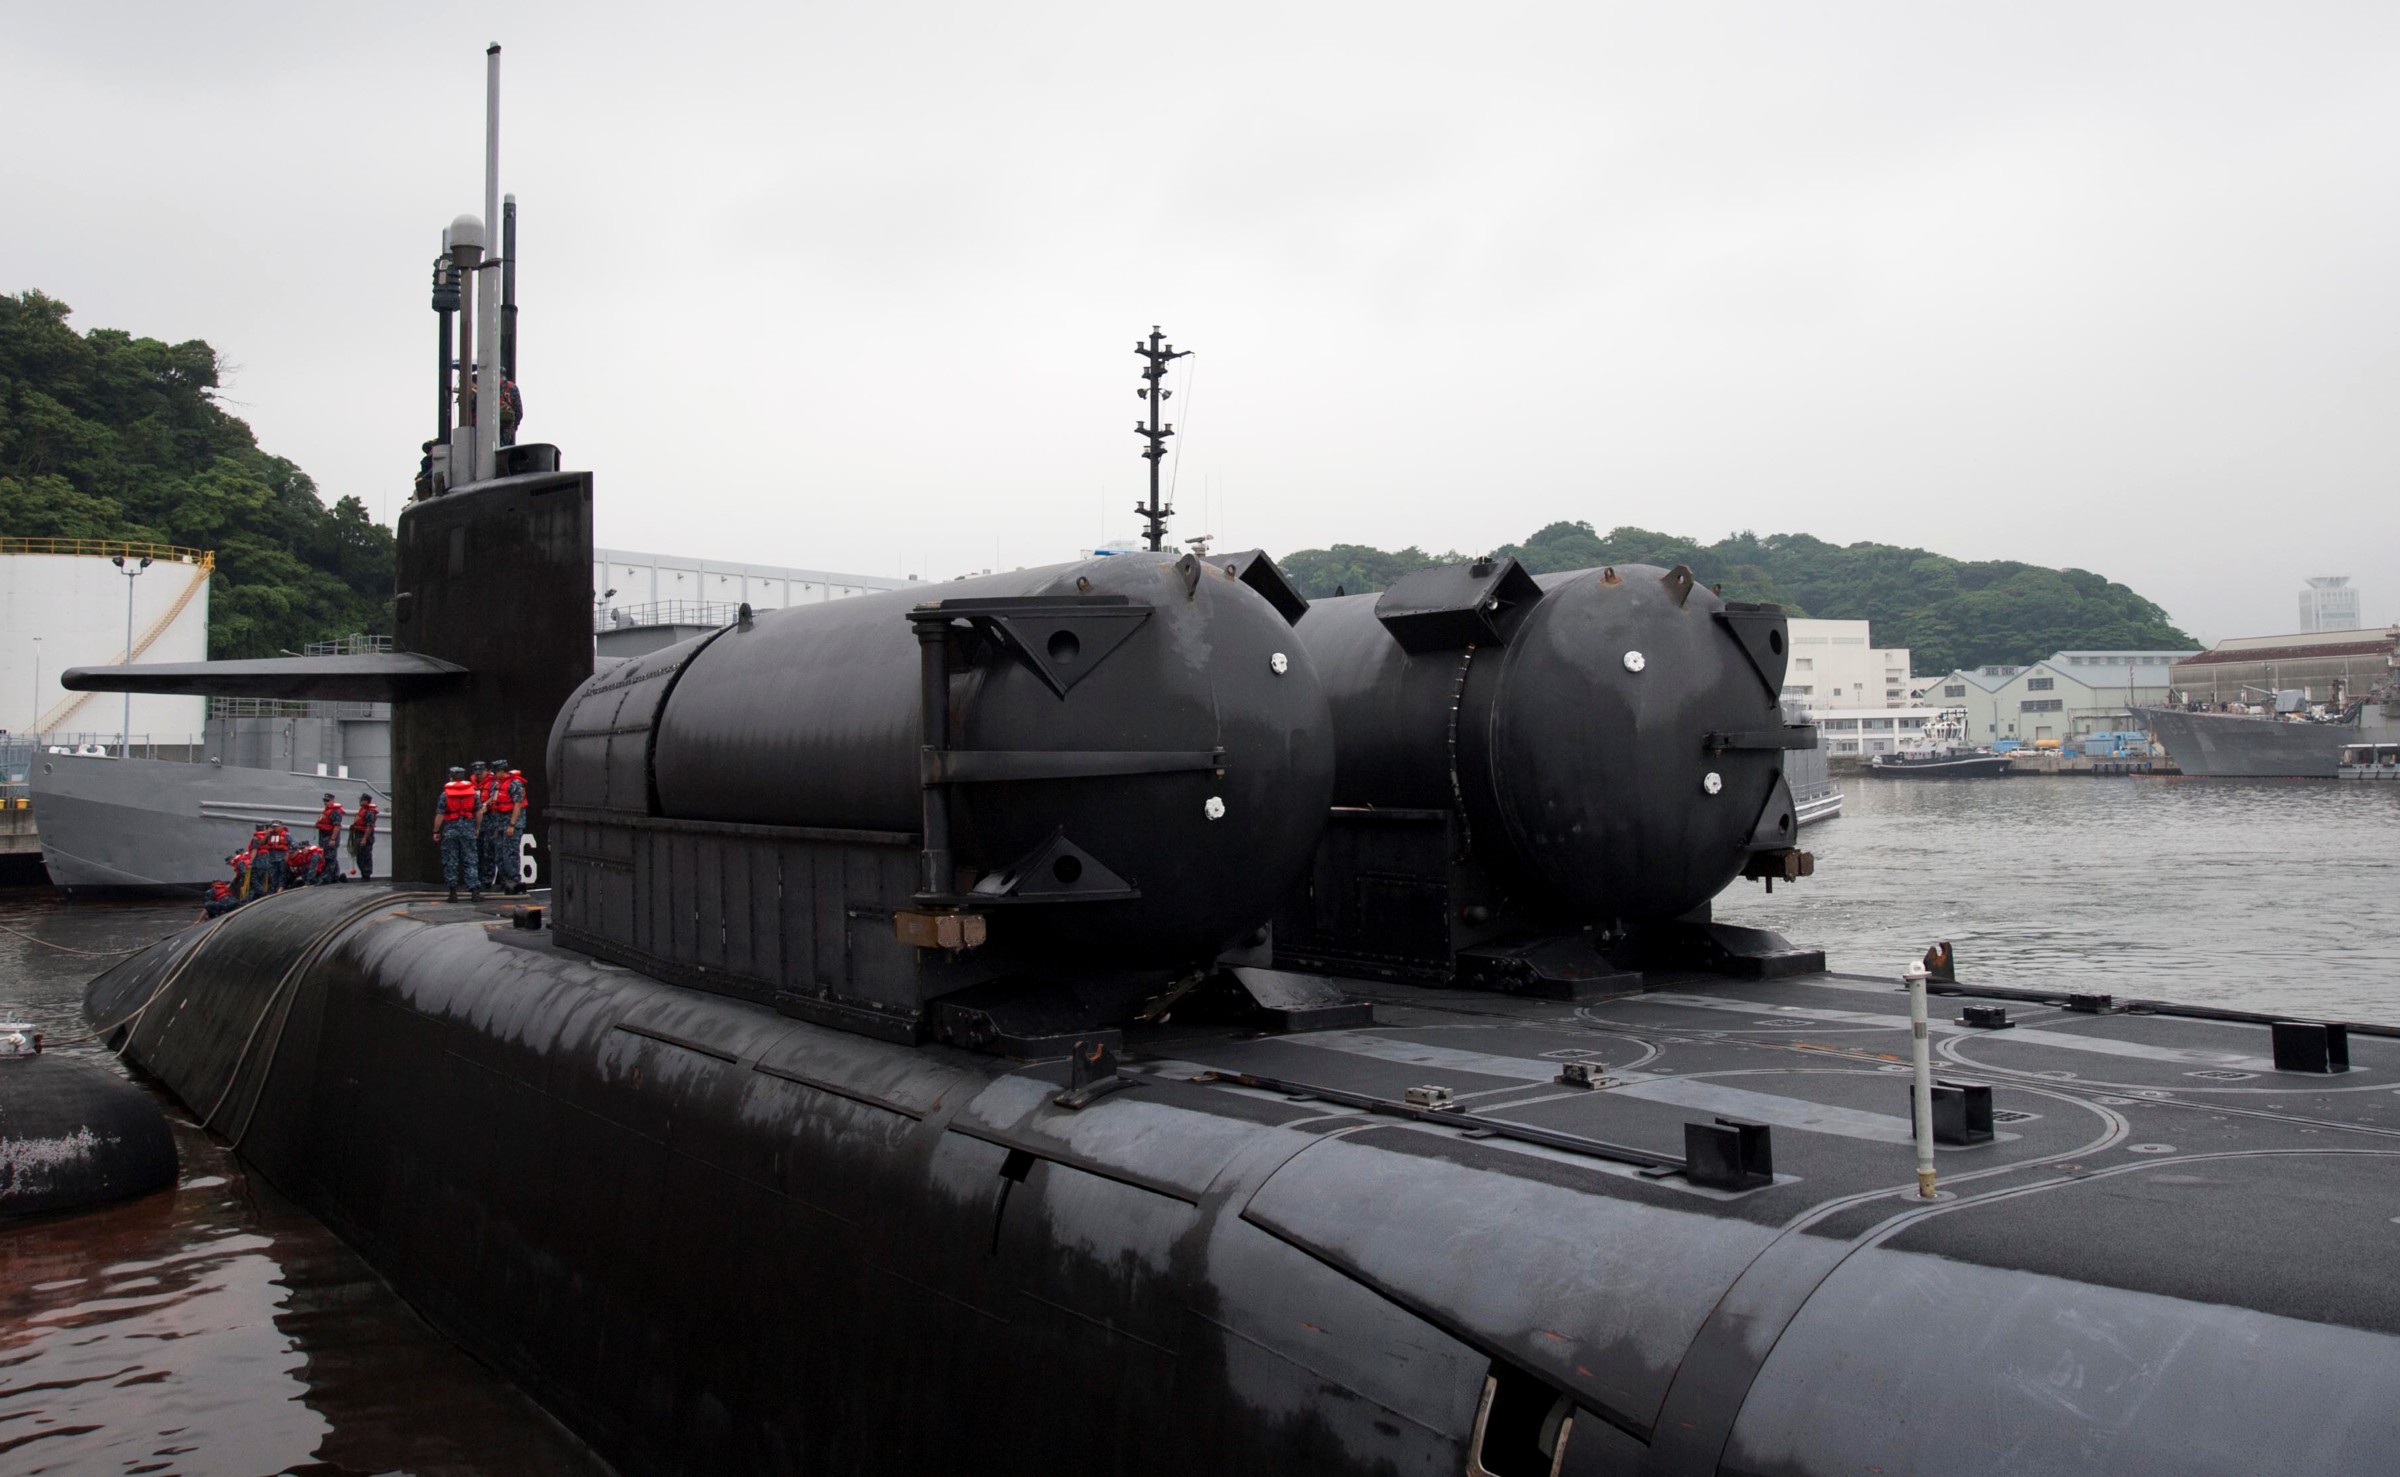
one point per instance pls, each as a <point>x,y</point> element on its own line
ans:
<point>2142,1151</point>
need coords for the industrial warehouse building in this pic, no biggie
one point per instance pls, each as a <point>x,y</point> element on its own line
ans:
<point>2067,695</point>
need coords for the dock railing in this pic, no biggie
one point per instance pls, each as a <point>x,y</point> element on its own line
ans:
<point>667,613</point>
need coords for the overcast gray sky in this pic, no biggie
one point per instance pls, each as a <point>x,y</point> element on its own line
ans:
<point>855,286</point>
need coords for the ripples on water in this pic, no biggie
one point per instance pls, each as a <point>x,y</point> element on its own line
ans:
<point>2274,895</point>
<point>215,1330</point>
<point>219,1330</point>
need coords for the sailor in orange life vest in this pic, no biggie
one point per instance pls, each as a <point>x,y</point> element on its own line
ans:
<point>329,824</point>
<point>362,837</point>
<point>242,861</point>
<point>479,774</point>
<point>484,777</point>
<point>454,818</point>
<point>279,857</point>
<point>503,817</point>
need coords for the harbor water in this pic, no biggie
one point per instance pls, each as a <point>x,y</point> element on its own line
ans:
<point>2271,895</point>
<point>217,1329</point>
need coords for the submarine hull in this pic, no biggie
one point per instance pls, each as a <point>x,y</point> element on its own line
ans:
<point>74,1135</point>
<point>712,1238</point>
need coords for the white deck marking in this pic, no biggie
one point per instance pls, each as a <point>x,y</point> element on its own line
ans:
<point>2021,1035</point>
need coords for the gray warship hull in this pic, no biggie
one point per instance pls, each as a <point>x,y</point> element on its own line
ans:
<point>161,825</point>
<point>1813,792</point>
<point>2230,746</point>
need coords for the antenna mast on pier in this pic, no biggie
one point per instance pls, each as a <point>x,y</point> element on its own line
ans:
<point>1157,354</point>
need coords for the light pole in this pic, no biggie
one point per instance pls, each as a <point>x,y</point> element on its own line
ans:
<point>131,573</point>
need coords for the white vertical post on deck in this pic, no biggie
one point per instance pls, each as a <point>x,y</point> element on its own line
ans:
<point>1922,1055</point>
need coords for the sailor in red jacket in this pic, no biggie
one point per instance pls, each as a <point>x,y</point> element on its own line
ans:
<point>224,897</point>
<point>504,817</point>
<point>362,837</point>
<point>454,819</point>
<point>245,875</point>
<point>279,857</point>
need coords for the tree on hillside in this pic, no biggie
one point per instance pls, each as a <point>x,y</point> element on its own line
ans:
<point>1353,568</point>
<point>108,436</point>
<point>1949,613</point>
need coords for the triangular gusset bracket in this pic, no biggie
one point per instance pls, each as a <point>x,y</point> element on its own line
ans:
<point>1778,824</point>
<point>1764,636</point>
<point>1057,871</point>
<point>1059,638</point>
<point>1253,568</point>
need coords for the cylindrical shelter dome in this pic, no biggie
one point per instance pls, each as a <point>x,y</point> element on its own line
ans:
<point>1579,750</point>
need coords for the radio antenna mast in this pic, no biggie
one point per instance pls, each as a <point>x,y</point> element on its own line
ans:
<point>1156,354</point>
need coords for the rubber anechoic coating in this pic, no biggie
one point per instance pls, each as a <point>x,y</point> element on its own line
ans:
<point>810,716</point>
<point>1598,772</point>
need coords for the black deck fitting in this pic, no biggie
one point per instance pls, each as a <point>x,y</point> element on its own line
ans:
<point>1941,965</point>
<point>1962,1113</point>
<point>1729,1154</point>
<point>1092,1071</point>
<point>1985,1017</point>
<point>2092,1004</point>
<point>2311,1046</point>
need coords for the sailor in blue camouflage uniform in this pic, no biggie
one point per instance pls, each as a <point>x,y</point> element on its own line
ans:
<point>504,821</point>
<point>455,816</point>
<point>490,825</point>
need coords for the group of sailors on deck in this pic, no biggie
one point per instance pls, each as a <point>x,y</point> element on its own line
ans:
<point>271,863</point>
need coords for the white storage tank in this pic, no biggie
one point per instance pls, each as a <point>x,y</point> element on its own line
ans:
<point>63,603</point>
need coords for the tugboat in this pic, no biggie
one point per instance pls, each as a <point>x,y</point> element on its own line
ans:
<point>1941,752</point>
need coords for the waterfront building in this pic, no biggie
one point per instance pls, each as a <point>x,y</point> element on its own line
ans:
<point>1835,664</point>
<point>1861,733</point>
<point>2064,696</point>
<point>2329,604</point>
<point>2245,669</point>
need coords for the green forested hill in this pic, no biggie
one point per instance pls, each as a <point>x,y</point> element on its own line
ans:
<point>1949,613</point>
<point>104,435</point>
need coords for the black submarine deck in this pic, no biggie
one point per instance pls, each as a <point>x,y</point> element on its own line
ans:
<point>2171,1256</point>
<point>2115,1130</point>
<point>2114,1133</point>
